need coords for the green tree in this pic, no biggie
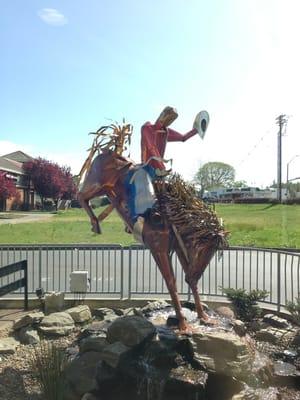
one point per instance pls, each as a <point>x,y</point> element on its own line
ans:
<point>239,184</point>
<point>214,174</point>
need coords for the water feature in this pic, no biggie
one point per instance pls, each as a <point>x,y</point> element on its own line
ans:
<point>212,362</point>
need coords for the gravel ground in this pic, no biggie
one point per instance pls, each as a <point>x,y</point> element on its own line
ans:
<point>17,380</point>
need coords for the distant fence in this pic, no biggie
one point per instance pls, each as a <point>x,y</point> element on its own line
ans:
<point>131,272</point>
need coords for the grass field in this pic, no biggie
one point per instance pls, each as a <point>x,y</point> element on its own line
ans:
<point>249,225</point>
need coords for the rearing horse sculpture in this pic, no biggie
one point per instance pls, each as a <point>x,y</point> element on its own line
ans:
<point>108,175</point>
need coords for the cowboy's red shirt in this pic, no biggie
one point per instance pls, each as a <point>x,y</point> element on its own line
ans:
<point>154,140</point>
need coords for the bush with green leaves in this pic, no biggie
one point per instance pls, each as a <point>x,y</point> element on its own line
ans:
<point>245,303</point>
<point>294,309</point>
<point>48,363</point>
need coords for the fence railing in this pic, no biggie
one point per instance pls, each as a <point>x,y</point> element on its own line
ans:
<point>16,284</point>
<point>130,272</point>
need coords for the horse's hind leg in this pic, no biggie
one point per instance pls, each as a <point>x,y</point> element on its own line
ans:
<point>84,201</point>
<point>164,264</point>
<point>192,276</point>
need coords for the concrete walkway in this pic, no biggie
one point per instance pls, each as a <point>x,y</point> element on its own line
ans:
<point>23,217</point>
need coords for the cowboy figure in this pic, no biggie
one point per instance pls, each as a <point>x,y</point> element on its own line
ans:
<point>155,137</point>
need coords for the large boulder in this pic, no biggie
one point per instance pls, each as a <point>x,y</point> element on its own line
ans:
<point>186,382</point>
<point>115,355</point>
<point>80,314</point>
<point>93,343</point>
<point>28,319</point>
<point>130,331</point>
<point>60,324</point>
<point>80,375</point>
<point>54,301</point>
<point>28,335</point>
<point>8,345</point>
<point>223,352</point>
<point>225,312</point>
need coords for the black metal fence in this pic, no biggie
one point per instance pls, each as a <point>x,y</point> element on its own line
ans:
<point>16,284</point>
<point>131,272</point>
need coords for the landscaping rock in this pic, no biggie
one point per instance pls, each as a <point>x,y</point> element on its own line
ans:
<point>286,374</point>
<point>154,306</point>
<point>93,343</point>
<point>102,312</point>
<point>130,331</point>
<point>115,354</point>
<point>80,313</point>
<point>296,339</point>
<point>60,324</point>
<point>190,316</point>
<point>28,319</point>
<point>275,335</point>
<point>262,370</point>
<point>88,396</point>
<point>80,375</point>
<point>271,393</point>
<point>256,325</point>
<point>223,352</point>
<point>8,345</point>
<point>96,328</point>
<point>118,311</point>
<point>276,321</point>
<point>105,375</point>
<point>54,301</point>
<point>28,335</point>
<point>187,382</point>
<point>133,311</point>
<point>225,312</point>
<point>239,327</point>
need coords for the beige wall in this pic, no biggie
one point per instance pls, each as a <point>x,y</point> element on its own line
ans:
<point>15,201</point>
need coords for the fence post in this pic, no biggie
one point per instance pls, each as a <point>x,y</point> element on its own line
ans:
<point>129,273</point>
<point>40,267</point>
<point>278,281</point>
<point>26,285</point>
<point>122,274</point>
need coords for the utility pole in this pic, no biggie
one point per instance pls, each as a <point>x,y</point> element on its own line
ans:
<point>281,120</point>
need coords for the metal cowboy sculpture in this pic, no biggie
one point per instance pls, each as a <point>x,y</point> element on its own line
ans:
<point>162,212</point>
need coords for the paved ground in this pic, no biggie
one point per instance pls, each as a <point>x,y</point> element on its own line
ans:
<point>8,317</point>
<point>24,217</point>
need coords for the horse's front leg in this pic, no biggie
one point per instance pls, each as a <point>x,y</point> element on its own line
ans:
<point>84,201</point>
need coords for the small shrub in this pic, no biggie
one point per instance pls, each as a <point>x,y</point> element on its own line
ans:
<point>294,309</point>
<point>49,363</point>
<point>245,304</point>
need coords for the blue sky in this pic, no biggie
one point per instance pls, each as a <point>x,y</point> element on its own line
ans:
<point>68,66</point>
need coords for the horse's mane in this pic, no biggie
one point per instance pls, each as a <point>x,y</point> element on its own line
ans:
<point>112,138</point>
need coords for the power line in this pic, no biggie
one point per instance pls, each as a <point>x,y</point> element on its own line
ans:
<point>253,149</point>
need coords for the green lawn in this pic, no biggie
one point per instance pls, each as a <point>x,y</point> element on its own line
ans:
<point>249,225</point>
<point>262,224</point>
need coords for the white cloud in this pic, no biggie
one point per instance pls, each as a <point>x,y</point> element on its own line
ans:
<point>52,16</point>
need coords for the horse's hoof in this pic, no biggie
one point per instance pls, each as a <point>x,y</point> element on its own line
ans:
<point>185,329</point>
<point>209,321</point>
<point>96,229</point>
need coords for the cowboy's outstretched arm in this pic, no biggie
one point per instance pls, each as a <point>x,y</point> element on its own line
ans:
<point>174,136</point>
